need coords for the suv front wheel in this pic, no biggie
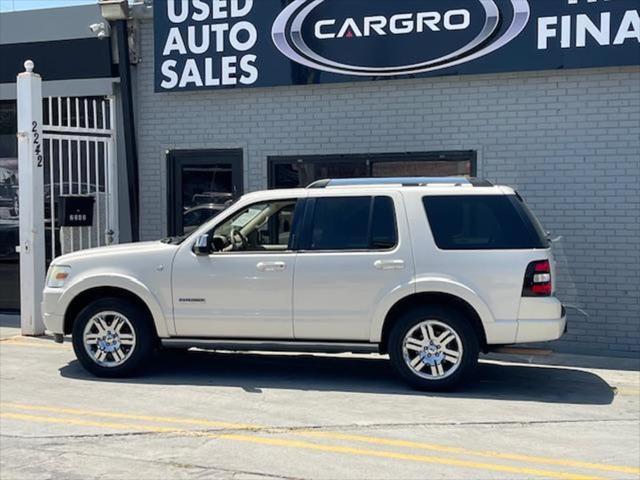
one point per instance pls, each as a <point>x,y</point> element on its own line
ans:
<point>433,348</point>
<point>113,337</point>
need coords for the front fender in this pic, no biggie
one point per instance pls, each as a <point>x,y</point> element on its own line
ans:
<point>495,333</point>
<point>124,282</point>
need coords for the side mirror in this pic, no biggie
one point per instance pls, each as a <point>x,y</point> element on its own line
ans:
<point>203,245</point>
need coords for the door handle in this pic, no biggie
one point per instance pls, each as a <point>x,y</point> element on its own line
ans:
<point>271,266</point>
<point>389,264</point>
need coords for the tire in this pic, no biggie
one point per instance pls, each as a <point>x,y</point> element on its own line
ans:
<point>435,369</point>
<point>125,346</point>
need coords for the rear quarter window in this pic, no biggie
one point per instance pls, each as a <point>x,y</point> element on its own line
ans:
<point>482,222</point>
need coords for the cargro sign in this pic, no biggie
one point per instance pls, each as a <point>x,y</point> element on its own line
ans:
<point>201,44</point>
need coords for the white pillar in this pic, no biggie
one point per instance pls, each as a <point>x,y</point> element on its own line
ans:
<point>31,198</point>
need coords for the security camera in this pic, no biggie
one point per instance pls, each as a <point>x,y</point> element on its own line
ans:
<point>100,29</point>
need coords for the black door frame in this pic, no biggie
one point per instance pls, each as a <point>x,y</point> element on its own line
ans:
<point>435,156</point>
<point>178,159</point>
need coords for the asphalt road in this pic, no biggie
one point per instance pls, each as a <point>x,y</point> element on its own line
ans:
<point>254,416</point>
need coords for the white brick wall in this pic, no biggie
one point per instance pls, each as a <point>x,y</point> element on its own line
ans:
<point>568,140</point>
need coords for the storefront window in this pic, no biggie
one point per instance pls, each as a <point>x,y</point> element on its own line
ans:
<point>293,172</point>
<point>202,183</point>
<point>206,191</point>
<point>300,173</point>
<point>9,221</point>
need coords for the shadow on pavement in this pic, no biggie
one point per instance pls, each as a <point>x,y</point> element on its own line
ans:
<point>252,372</point>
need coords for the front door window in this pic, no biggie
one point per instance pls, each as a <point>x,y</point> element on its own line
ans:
<point>259,227</point>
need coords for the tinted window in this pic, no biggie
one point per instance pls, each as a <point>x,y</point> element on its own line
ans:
<point>469,222</point>
<point>353,223</point>
<point>383,224</point>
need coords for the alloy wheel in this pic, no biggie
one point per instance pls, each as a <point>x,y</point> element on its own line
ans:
<point>109,339</point>
<point>432,350</point>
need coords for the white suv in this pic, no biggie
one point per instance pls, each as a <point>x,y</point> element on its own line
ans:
<point>430,271</point>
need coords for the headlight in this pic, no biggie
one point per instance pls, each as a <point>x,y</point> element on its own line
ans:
<point>58,274</point>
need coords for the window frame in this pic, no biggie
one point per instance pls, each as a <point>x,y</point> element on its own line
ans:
<point>178,159</point>
<point>306,230</point>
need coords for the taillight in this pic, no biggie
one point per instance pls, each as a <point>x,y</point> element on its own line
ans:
<point>537,279</point>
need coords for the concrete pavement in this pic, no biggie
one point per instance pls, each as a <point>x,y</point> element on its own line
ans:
<point>246,416</point>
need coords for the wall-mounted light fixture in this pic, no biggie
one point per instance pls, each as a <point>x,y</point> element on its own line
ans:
<point>113,10</point>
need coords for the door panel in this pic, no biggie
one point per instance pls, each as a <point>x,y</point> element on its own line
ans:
<point>336,292</point>
<point>231,295</point>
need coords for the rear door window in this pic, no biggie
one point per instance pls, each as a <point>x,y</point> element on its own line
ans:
<point>352,223</point>
<point>482,222</point>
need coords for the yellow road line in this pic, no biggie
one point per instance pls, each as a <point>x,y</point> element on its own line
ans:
<point>86,423</point>
<point>334,436</point>
<point>315,447</point>
<point>467,452</point>
<point>22,343</point>
<point>128,416</point>
<point>405,456</point>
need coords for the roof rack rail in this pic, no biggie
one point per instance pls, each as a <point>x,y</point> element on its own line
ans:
<point>402,181</point>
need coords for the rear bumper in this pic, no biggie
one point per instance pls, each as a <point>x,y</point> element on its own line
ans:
<point>540,319</point>
<point>541,330</point>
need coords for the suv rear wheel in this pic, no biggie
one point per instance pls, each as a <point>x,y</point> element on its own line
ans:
<point>113,337</point>
<point>433,348</point>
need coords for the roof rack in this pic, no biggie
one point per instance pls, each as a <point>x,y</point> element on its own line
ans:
<point>401,181</point>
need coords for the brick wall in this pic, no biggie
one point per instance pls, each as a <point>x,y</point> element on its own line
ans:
<point>568,140</point>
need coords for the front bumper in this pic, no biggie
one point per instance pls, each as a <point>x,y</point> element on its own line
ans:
<point>51,312</point>
<point>54,323</point>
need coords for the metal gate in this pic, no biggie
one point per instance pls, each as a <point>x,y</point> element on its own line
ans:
<point>80,159</point>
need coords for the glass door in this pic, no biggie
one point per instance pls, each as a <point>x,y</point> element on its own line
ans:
<point>202,183</point>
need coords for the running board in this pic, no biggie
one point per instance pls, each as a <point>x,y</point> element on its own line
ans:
<point>270,345</point>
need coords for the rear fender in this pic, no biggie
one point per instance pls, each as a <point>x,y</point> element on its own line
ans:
<point>496,332</point>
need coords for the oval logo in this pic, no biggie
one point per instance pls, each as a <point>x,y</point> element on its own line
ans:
<point>378,39</point>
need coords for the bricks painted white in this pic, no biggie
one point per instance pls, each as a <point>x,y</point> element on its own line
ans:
<point>568,140</point>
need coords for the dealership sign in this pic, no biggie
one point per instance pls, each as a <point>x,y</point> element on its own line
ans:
<point>203,44</point>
